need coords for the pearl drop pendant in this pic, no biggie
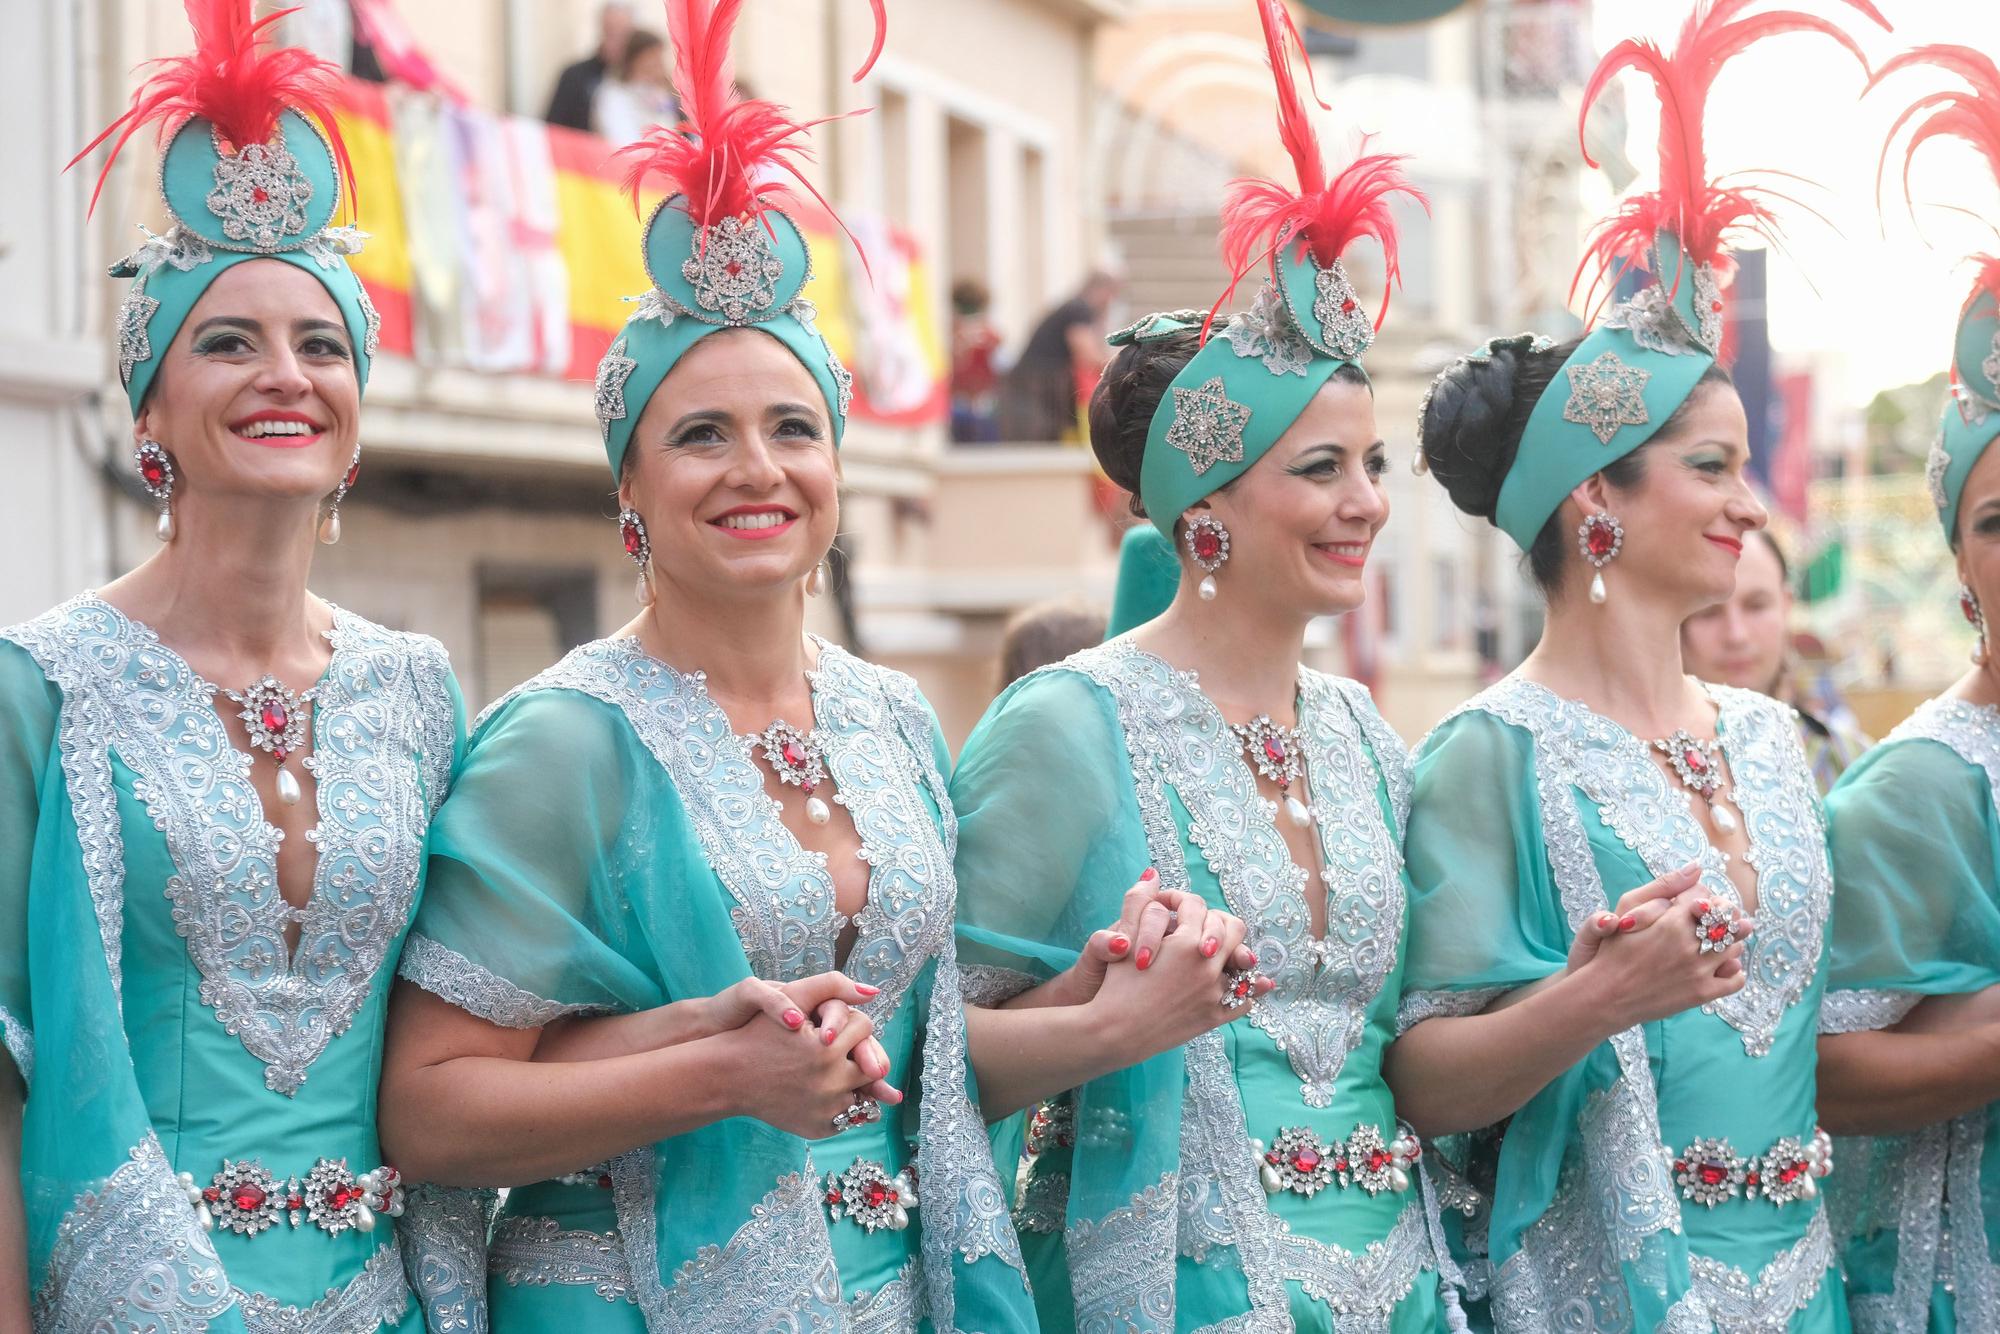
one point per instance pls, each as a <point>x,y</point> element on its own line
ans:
<point>1597,593</point>
<point>164,528</point>
<point>1723,818</point>
<point>288,787</point>
<point>1301,813</point>
<point>1206,588</point>
<point>329,528</point>
<point>816,811</point>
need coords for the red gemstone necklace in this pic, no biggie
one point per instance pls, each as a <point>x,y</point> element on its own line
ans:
<point>1275,751</point>
<point>1698,765</point>
<point>797,758</point>
<point>276,719</point>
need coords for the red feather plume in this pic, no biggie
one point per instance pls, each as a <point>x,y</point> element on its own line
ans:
<point>1972,117</point>
<point>1327,216</point>
<point>1702,211</point>
<point>237,81</point>
<point>721,155</point>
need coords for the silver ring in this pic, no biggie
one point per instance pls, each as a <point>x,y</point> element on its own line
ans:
<point>1239,988</point>
<point>863,1111</point>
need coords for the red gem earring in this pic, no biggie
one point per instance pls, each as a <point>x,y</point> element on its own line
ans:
<point>1968,606</point>
<point>329,524</point>
<point>1208,544</point>
<point>633,529</point>
<point>156,471</point>
<point>1600,538</point>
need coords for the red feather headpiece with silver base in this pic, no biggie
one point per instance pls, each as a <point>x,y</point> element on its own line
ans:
<point>1701,212</point>
<point>238,81</point>
<point>1315,222</point>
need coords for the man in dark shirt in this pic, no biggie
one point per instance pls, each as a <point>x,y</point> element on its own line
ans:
<point>1039,401</point>
<point>576,86</point>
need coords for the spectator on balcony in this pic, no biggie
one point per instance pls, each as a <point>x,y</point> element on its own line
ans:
<point>975,378</point>
<point>635,96</point>
<point>1044,391</point>
<point>576,86</point>
<point>1047,632</point>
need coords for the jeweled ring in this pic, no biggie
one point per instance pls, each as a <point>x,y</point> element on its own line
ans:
<point>860,1113</point>
<point>1239,988</point>
<point>1715,929</point>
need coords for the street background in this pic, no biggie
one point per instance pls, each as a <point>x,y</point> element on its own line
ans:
<point>1015,145</point>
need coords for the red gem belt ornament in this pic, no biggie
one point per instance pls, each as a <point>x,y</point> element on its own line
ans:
<point>244,1197</point>
<point>1709,1171</point>
<point>796,758</point>
<point>1274,751</point>
<point>1052,1126</point>
<point>1301,1162</point>
<point>871,1197</point>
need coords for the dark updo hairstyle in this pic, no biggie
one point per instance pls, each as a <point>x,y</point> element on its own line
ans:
<point>1473,420</point>
<point>1130,390</point>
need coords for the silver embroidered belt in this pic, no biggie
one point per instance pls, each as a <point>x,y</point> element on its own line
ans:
<point>246,1198</point>
<point>377,1296</point>
<point>1298,1160</point>
<point>1709,1171</point>
<point>540,1253</point>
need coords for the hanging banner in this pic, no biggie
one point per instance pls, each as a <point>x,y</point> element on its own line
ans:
<point>504,245</point>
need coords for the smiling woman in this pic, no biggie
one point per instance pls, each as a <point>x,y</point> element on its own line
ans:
<point>685,979</point>
<point>205,887</point>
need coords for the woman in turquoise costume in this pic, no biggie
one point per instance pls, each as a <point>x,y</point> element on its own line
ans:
<point>1660,1169</point>
<point>1186,1172</point>
<point>709,797</point>
<point>1911,1032</point>
<point>214,787</point>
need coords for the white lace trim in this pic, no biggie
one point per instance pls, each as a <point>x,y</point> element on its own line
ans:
<point>449,975</point>
<point>1862,1011</point>
<point>375,1297</point>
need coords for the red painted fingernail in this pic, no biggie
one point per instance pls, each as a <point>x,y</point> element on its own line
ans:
<point>1145,956</point>
<point>1149,874</point>
<point>1627,922</point>
<point>867,990</point>
<point>1209,947</point>
<point>1700,906</point>
<point>1253,958</point>
<point>794,1020</point>
<point>1119,944</point>
<point>829,1035</point>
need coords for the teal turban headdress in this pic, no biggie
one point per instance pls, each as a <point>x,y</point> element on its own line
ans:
<point>1972,414</point>
<point>1245,388</point>
<point>251,167</point>
<point>1635,368</point>
<point>720,252</point>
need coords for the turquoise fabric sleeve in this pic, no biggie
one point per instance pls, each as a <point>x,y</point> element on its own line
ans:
<point>1486,911</point>
<point>28,711</point>
<point>1049,836</point>
<point>1916,862</point>
<point>528,866</point>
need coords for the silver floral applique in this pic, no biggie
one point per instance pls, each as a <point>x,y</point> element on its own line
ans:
<point>1266,332</point>
<point>134,314</point>
<point>260,195</point>
<point>734,270</point>
<point>1605,395</point>
<point>1936,464</point>
<point>1347,331</point>
<point>612,373</point>
<point>1208,426</point>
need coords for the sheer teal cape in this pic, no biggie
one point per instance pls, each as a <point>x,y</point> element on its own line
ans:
<point>610,847</point>
<point>1529,813</point>
<point>144,995</point>
<point>1143,1208</point>
<point>1916,853</point>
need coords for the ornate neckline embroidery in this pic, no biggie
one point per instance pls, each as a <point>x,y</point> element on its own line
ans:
<point>1773,789</point>
<point>382,746</point>
<point>1177,739</point>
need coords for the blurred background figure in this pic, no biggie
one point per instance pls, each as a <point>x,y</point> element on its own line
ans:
<point>1748,642</point>
<point>1047,632</point>
<point>1059,366</point>
<point>975,372</point>
<point>576,86</point>
<point>635,95</point>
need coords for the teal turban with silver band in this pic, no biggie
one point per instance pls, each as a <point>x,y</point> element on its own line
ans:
<point>1242,390</point>
<point>252,168</point>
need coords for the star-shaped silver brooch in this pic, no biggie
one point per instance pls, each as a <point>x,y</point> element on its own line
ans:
<point>1606,395</point>
<point>1208,427</point>
<point>612,373</point>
